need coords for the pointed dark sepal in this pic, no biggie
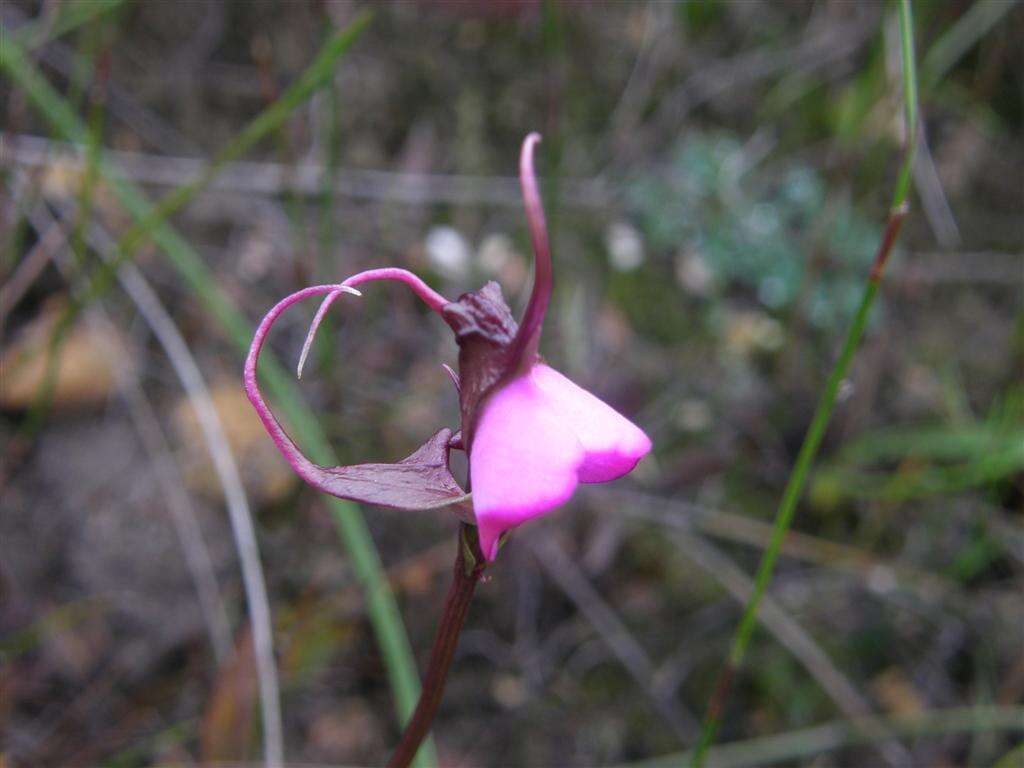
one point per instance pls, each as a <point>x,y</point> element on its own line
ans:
<point>484,329</point>
<point>421,481</point>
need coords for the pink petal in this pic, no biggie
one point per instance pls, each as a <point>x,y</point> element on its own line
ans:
<point>523,461</point>
<point>612,443</point>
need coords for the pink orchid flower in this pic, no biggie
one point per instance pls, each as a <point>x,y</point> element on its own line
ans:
<point>531,434</point>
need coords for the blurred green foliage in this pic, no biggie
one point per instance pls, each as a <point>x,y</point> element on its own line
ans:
<point>904,463</point>
<point>775,233</point>
<point>774,191</point>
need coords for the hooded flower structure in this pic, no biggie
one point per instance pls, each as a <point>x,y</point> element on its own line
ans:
<point>531,434</point>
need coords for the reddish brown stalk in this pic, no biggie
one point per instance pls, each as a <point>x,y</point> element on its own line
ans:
<point>892,231</point>
<point>720,695</point>
<point>469,567</point>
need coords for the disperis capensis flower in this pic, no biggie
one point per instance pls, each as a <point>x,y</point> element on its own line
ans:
<point>530,433</point>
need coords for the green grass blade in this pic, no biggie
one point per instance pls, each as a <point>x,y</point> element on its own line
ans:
<point>909,104</point>
<point>67,125</point>
<point>94,47</point>
<point>1012,759</point>
<point>264,124</point>
<point>151,222</point>
<point>71,16</point>
<point>945,52</point>
<point>13,58</point>
<point>797,747</point>
<point>826,404</point>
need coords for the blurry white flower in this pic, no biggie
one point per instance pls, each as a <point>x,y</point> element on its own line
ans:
<point>448,252</point>
<point>500,260</point>
<point>625,248</point>
<point>693,415</point>
<point>692,272</point>
<point>256,256</point>
<point>495,252</point>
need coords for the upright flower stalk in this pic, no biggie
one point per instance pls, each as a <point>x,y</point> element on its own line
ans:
<point>531,435</point>
<point>826,404</point>
<point>469,568</point>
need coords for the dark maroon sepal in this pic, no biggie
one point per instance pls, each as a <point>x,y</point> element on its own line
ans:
<point>484,329</point>
<point>421,481</point>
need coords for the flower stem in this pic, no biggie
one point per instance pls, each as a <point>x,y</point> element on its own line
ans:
<point>469,567</point>
<point>823,413</point>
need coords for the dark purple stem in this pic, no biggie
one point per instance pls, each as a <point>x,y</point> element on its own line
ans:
<point>467,573</point>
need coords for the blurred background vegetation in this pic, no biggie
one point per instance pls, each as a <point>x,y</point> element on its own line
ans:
<point>717,177</point>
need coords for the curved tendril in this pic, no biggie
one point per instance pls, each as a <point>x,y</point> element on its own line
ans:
<point>428,295</point>
<point>317,319</point>
<point>303,467</point>
<point>306,469</point>
<point>524,346</point>
<point>453,376</point>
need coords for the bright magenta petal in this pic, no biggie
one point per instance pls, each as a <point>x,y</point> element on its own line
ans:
<point>523,461</point>
<point>612,443</point>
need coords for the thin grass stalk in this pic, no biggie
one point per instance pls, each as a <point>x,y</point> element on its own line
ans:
<point>956,41</point>
<point>614,632</point>
<point>826,405</point>
<point>26,272</point>
<point>71,16</point>
<point>97,47</point>
<point>287,156</point>
<point>796,747</point>
<point>243,528</point>
<point>328,231</point>
<point>179,505</point>
<point>267,122</point>
<point>351,526</point>
<point>1012,759</point>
